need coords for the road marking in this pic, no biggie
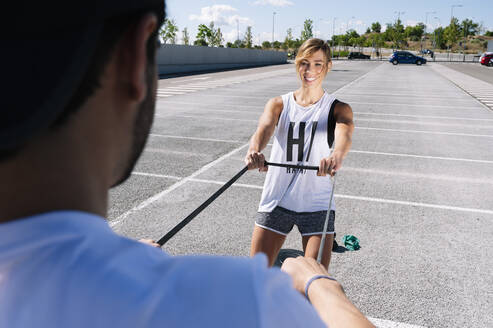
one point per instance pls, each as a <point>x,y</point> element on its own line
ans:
<point>194,138</point>
<point>354,151</point>
<point>208,118</point>
<point>201,104</point>
<point>404,95</point>
<point>342,196</point>
<point>176,185</point>
<point>423,106</point>
<point>468,84</point>
<point>358,127</point>
<point>157,175</point>
<point>419,175</point>
<point>425,123</point>
<point>381,323</point>
<point>422,156</point>
<point>426,116</point>
<point>429,132</point>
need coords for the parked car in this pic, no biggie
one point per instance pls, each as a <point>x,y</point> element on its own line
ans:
<point>405,57</point>
<point>485,58</point>
<point>490,63</point>
<point>357,55</point>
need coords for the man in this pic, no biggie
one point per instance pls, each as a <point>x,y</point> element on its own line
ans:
<point>75,131</point>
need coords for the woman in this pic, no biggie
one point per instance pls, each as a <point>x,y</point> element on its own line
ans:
<point>309,122</point>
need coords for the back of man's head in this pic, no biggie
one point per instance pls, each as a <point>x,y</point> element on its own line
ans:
<point>53,56</point>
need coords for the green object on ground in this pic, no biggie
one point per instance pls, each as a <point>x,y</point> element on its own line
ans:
<point>351,242</point>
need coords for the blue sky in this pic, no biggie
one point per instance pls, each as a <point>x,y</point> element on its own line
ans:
<point>355,14</point>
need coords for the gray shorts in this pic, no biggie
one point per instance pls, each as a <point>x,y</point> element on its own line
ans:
<point>282,220</point>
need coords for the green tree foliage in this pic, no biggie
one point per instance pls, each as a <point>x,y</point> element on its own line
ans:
<point>489,33</point>
<point>185,37</point>
<point>215,36</point>
<point>415,33</point>
<point>289,43</point>
<point>469,27</point>
<point>376,27</point>
<point>440,41</point>
<point>248,37</point>
<point>266,45</point>
<point>368,31</point>
<point>204,33</point>
<point>168,31</point>
<point>276,45</point>
<point>395,34</point>
<point>452,33</point>
<point>307,32</point>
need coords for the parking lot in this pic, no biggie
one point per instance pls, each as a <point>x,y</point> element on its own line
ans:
<point>416,188</point>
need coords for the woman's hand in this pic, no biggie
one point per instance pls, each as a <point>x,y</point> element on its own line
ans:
<point>255,160</point>
<point>330,164</point>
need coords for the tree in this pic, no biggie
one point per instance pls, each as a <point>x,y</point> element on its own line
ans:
<point>266,45</point>
<point>288,41</point>
<point>276,45</point>
<point>439,39</point>
<point>468,27</point>
<point>415,33</point>
<point>307,32</point>
<point>376,27</point>
<point>368,31</point>
<point>215,36</point>
<point>168,31</point>
<point>488,33</point>
<point>452,33</point>
<point>203,34</point>
<point>248,37</point>
<point>185,37</point>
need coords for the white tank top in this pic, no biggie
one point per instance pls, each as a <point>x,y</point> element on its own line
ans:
<point>302,136</point>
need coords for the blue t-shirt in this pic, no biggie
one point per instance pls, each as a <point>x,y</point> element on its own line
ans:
<point>69,269</point>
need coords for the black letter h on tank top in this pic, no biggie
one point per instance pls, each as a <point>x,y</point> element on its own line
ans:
<point>292,141</point>
<point>300,141</point>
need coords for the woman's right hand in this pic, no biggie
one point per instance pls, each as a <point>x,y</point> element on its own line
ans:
<point>255,160</point>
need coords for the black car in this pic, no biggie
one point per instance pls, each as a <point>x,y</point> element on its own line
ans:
<point>405,57</point>
<point>357,55</point>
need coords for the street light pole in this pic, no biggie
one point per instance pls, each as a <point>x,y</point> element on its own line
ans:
<point>452,11</point>
<point>273,15</point>
<point>426,26</point>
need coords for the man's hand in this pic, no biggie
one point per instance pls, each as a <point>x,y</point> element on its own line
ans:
<point>330,164</point>
<point>255,160</point>
<point>150,242</point>
<point>301,269</point>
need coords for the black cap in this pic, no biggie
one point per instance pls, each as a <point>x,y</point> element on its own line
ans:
<point>47,47</point>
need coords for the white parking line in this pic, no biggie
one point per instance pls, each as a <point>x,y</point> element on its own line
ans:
<point>424,106</point>
<point>381,323</point>
<point>176,185</point>
<point>421,156</point>
<point>353,151</point>
<point>426,116</point>
<point>194,138</point>
<point>428,132</point>
<point>342,196</point>
<point>425,123</point>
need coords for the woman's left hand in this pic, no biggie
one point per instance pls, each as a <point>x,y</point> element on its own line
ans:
<point>330,164</point>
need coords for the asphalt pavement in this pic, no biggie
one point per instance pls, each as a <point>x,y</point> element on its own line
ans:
<point>416,188</point>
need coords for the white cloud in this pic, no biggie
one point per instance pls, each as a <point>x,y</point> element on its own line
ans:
<point>411,22</point>
<point>221,15</point>
<point>275,3</point>
<point>359,22</point>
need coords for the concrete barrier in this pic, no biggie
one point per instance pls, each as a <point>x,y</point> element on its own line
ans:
<point>174,58</point>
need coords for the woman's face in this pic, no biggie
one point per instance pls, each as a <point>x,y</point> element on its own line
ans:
<point>312,70</point>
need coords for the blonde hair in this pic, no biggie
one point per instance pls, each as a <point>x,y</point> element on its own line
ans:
<point>311,46</point>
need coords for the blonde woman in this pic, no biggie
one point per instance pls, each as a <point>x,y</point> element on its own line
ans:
<point>306,124</point>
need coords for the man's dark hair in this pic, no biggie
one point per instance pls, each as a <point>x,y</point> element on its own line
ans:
<point>113,30</point>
